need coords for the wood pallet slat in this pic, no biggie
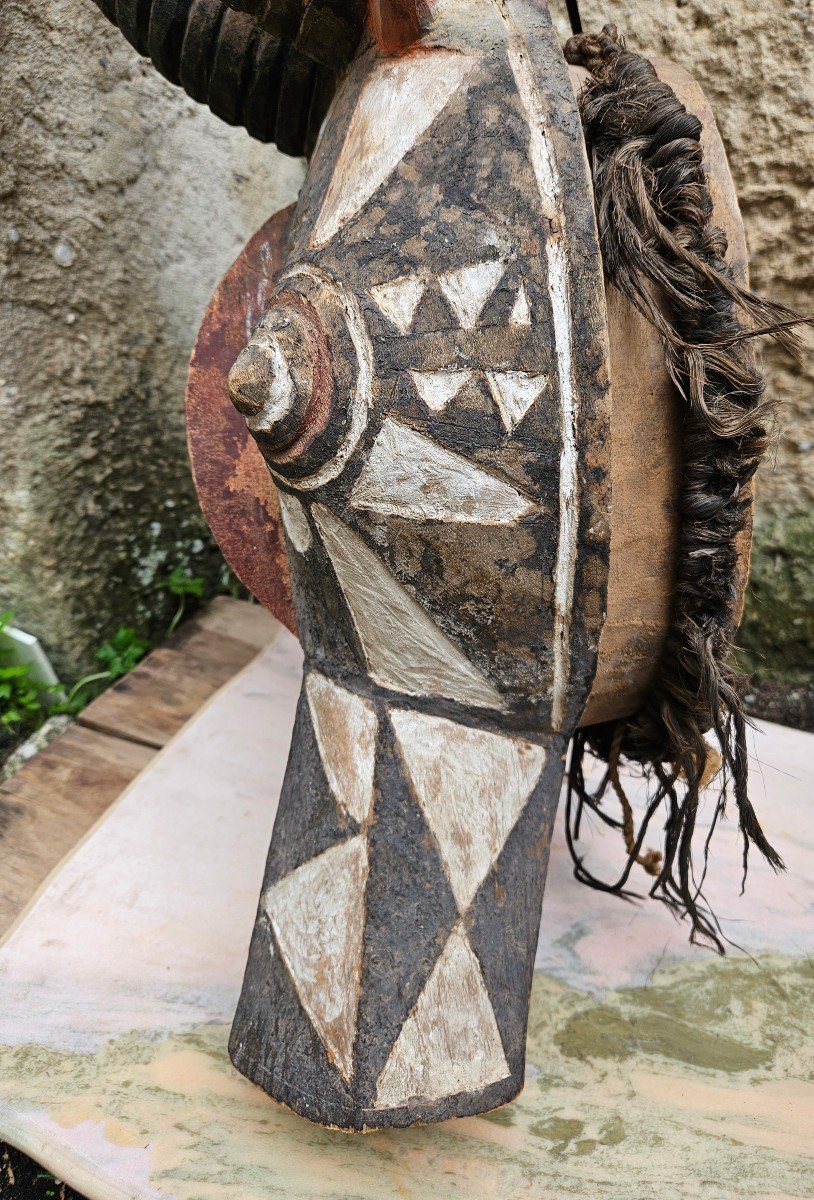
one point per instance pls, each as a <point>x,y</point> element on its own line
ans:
<point>52,802</point>
<point>47,806</point>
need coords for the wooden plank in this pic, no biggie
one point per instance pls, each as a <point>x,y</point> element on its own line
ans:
<point>52,802</point>
<point>247,622</point>
<point>153,701</point>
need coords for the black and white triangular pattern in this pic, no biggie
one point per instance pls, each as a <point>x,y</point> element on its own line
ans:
<point>450,1043</point>
<point>318,917</point>
<point>472,786</point>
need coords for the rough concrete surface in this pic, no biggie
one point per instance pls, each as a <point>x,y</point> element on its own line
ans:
<point>121,204</point>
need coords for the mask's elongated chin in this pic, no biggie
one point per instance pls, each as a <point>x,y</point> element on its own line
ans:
<point>400,896</point>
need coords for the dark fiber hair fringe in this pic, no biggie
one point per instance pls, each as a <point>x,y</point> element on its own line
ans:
<point>661,250</point>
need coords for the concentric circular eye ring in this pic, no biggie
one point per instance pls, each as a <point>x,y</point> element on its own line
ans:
<point>282,382</point>
<point>304,383</point>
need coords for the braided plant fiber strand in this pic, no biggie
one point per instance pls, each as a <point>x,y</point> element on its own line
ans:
<point>662,252</point>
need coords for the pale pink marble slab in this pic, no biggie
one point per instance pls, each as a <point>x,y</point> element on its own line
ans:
<point>588,939</point>
<point>118,985</point>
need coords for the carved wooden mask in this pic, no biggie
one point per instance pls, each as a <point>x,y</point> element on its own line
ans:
<point>429,390</point>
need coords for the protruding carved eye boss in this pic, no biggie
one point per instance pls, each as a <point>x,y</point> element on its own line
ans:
<point>303,382</point>
<point>281,382</point>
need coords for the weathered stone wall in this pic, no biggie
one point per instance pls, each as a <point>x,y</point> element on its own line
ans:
<point>121,203</point>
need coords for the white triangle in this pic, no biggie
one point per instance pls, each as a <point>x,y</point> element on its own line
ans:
<point>437,388</point>
<point>399,299</point>
<point>318,916</point>
<point>514,392</point>
<point>408,475</point>
<point>345,728</point>
<point>472,787</point>
<point>403,647</point>
<point>450,1042</point>
<point>521,312</point>
<point>295,521</point>
<point>400,99</point>
<point>468,289</point>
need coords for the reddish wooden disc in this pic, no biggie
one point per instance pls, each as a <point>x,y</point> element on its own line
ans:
<point>235,489</point>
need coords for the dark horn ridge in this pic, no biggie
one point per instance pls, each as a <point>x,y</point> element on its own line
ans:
<point>269,65</point>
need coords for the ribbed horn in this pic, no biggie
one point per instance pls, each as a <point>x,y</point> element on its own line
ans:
<point>326,31</point>
<point>268,65</point>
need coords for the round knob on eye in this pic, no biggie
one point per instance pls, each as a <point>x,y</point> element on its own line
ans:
<point>272,380</point>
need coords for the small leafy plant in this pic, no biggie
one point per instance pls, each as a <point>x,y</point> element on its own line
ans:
<point>23,700</point>
<point>122,652</point>
<point>118,655</point>
<point>182,584</point>
<point>25,703</point>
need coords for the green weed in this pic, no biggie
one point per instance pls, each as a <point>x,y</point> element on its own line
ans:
<point>24,702</point>
<point>186,587</point>
<point>118,655</point>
